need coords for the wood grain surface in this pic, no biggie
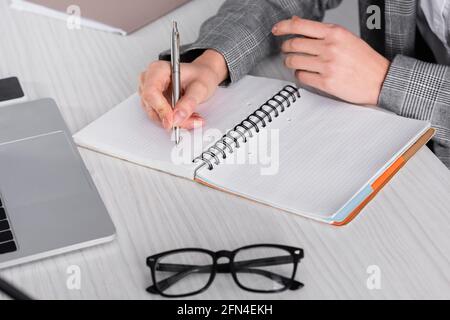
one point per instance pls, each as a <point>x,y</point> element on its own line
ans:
<point>404,231</point>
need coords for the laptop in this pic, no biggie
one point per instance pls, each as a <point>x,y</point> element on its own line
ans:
<point>48,202</point>
<point>118,16</point>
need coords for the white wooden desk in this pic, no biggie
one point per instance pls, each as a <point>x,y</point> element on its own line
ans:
<point>405,231</point>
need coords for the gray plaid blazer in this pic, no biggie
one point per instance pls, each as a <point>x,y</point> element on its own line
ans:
<point>241,31</point>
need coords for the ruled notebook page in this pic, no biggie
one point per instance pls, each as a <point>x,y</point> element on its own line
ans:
<point>126,132</point>
<point>328,151</point>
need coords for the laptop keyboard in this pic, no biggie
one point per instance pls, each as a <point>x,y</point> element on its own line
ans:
<point>7,243</point>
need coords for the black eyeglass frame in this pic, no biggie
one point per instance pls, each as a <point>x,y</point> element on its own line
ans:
<point>289,283</point>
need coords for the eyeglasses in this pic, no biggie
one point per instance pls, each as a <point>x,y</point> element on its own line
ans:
<point>263,268</point>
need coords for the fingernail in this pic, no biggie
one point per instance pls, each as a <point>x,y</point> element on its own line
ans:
<point>275,29</point>
<point>165,123</point>
<point>198,123</point>
<point>179,117</point>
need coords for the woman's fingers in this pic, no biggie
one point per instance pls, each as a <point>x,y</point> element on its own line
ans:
<point>155,100</point>
<point>199,80</point>
<point>153,84</point>
<point>303,45</point>
<point>304,27</point>
<point>195,121</point>
<point>152,115</point>
<point>310,79</point>
<point>195,93</point>
<point>303,62</point>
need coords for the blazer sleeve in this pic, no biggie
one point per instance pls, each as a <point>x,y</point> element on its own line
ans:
<point>241,31</point>
<point>421,90</point>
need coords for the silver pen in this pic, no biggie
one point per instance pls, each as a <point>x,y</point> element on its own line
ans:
<point>176,82</point>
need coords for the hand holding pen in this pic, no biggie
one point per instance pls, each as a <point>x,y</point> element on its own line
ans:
<point>198,81</point>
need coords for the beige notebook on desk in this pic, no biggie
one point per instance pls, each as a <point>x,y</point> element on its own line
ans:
<point>286,148</point>
<point>117,16</point>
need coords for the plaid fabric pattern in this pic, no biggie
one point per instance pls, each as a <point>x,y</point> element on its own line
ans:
<point>413,88</point>
<point>421,90</point>
<point>400,27</point>
<point>241,31</point>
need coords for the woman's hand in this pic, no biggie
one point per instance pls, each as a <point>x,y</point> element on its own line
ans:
<point>333,60</point>
<point>199,81</point>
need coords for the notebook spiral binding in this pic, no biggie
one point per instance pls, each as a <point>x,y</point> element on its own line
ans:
<point>267,112</point>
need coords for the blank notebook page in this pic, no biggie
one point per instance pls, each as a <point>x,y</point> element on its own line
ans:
<point>126,132</point>
<point>328,151</point>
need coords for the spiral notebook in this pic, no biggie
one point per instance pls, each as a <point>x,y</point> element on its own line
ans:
<point>267,141</point>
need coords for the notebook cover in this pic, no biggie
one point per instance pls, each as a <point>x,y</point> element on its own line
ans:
<point>388,175</point>
<point>125,15</point>
<point>376,186</point>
